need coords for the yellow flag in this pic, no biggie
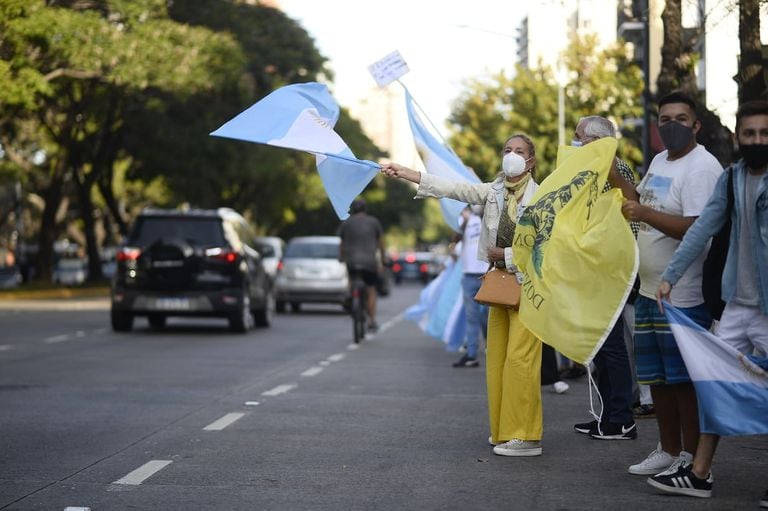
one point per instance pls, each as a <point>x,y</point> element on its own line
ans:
<point>577,252</point>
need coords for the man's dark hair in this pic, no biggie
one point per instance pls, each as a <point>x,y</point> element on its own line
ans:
<point>679,97</point>
<point>750,108</point>
<point>357,206</point>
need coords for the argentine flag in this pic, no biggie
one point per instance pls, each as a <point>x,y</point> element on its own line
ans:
<point>440,310</point>
<point>732,388</point>
<point>440,161</point>
<point>302,116</point>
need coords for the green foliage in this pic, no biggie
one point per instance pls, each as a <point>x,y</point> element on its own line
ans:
<point>602,83</point>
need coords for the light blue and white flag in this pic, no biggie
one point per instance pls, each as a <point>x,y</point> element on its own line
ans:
<point>731,387</point>
<point>440,311</point>
<point>440,161</point>
<point>302,116</point>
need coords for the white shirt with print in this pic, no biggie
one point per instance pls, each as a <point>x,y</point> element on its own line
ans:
<point>469,261</point>
<point>681,187</point>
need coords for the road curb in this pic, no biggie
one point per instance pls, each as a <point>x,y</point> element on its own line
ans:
<point>62,293</point>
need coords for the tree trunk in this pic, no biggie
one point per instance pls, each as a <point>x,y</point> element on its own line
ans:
<point>84,185</point>
<point>672,47</point>
<point>48,231</point>
<point>751,76</point>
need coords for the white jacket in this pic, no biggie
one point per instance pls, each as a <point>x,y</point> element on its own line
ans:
<point>491,194</point>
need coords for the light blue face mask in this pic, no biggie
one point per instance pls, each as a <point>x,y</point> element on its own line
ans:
<point>576,143</point>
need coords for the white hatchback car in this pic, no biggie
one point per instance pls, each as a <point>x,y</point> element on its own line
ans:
<point>310,272</point>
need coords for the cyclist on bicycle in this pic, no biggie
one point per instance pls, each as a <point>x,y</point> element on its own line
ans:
<point>362,248</point>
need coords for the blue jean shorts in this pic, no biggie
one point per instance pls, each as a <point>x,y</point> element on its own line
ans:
<point>657,357</point>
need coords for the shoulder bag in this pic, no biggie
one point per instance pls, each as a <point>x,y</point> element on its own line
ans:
<point>499,289</point>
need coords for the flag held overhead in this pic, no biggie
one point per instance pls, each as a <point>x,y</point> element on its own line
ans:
<point>302,117</point>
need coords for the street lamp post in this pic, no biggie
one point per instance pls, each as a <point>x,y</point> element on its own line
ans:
<point>561,82</point>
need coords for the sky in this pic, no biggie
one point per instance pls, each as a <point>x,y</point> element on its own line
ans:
<point>443,43</point>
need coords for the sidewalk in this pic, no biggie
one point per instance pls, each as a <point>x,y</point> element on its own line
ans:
<point>20,293</point>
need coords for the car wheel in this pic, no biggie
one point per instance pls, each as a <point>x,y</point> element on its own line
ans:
<point>156,321</point>
<point>121,321</point>
<point>242,320</point>
<point>280,306</point>
<point>295,307</point>
<point>263,317</point>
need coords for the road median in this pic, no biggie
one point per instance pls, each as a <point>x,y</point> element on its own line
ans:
<point>55,292</point>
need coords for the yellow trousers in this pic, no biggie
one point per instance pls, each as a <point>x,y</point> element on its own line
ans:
<point>513,374</point>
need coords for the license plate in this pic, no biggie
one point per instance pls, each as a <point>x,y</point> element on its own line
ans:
<point>173,304</point>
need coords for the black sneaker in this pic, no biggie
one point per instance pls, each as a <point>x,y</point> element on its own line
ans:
<point>585,427</point>
<point>466,361</point>
<point>613,431</point>
<point>683,482</point>
<point>373,327</point>
<point>573,372</point>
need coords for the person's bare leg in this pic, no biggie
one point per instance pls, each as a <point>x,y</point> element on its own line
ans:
<point>667,417</point>
<point>705,453</point>
<point>689,415</point>
<point>372,304</point>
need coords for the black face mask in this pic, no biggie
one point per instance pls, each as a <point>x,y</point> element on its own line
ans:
<point>675,136</point>
<point>755,155</point>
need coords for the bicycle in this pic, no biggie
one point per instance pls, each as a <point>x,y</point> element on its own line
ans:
<point>359,304</point>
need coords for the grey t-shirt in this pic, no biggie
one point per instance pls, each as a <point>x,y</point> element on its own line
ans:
<point>360,235</point>
<point>746,277</point>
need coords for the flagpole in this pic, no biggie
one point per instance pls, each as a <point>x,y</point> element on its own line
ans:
<point>353,160</point>
<point>445,143</point>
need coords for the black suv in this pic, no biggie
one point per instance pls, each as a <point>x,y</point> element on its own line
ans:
<point>191,263</point>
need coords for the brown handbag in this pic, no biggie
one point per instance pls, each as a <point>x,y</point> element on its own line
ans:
<point>500,289</point>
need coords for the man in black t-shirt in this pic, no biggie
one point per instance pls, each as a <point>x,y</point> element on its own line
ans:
<point>362,248</point>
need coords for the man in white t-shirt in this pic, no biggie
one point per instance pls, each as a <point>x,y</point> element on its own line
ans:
<point>667,201</point>
<point>472,269</point>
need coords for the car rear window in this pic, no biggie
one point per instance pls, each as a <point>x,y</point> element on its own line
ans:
<point>312,250</point>
<point>205,232</point>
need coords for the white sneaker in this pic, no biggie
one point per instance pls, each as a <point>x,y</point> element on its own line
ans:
<point>517,447</point>
<point>490,441</point>
<point>561,387</point>
<point>656,462</point>
<point>682,461</point>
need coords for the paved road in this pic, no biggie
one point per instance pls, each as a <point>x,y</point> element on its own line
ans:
<point>292,417</point>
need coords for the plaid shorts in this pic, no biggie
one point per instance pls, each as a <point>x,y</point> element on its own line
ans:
<point>657,357</point>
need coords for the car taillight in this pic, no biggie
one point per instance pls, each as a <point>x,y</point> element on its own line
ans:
<point>128,254</point>
<point>410,258</point>
<point>396,267</point>
<point>423,268</point>
<point>280,265</point>
<point>221,254</point>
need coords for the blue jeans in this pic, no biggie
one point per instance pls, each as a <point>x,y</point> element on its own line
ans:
<point>476,314</point>
<point>614,377</point>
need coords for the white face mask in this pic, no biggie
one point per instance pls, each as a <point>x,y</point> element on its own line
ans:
<point>513,164</point>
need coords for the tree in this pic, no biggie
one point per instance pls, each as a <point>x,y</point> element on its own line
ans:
<point>751,77</point>
<point>603,83</point>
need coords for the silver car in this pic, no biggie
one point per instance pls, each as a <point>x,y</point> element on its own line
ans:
<point>310,272</point>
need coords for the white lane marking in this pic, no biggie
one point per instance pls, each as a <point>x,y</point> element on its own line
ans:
<point>392,322</point>
<point>280,389</point>
<point>325,363</point>
<point>56,338</point>
<point>338,357</point>
<point>225,421</point>
<point>313,371</point>
<point>77,508</point>
<point>5,347</point>
<point>145,471</point>
<point>79,334</point>
<point>353,347</point>
<point>252,403</point>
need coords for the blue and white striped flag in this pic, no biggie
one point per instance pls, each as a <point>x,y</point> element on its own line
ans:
<point>440,311</point>
<point>440,161</point>
<point>302,116</point>
<point>732,388</point>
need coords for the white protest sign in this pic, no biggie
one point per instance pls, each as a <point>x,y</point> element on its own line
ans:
<point>388,69</point>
